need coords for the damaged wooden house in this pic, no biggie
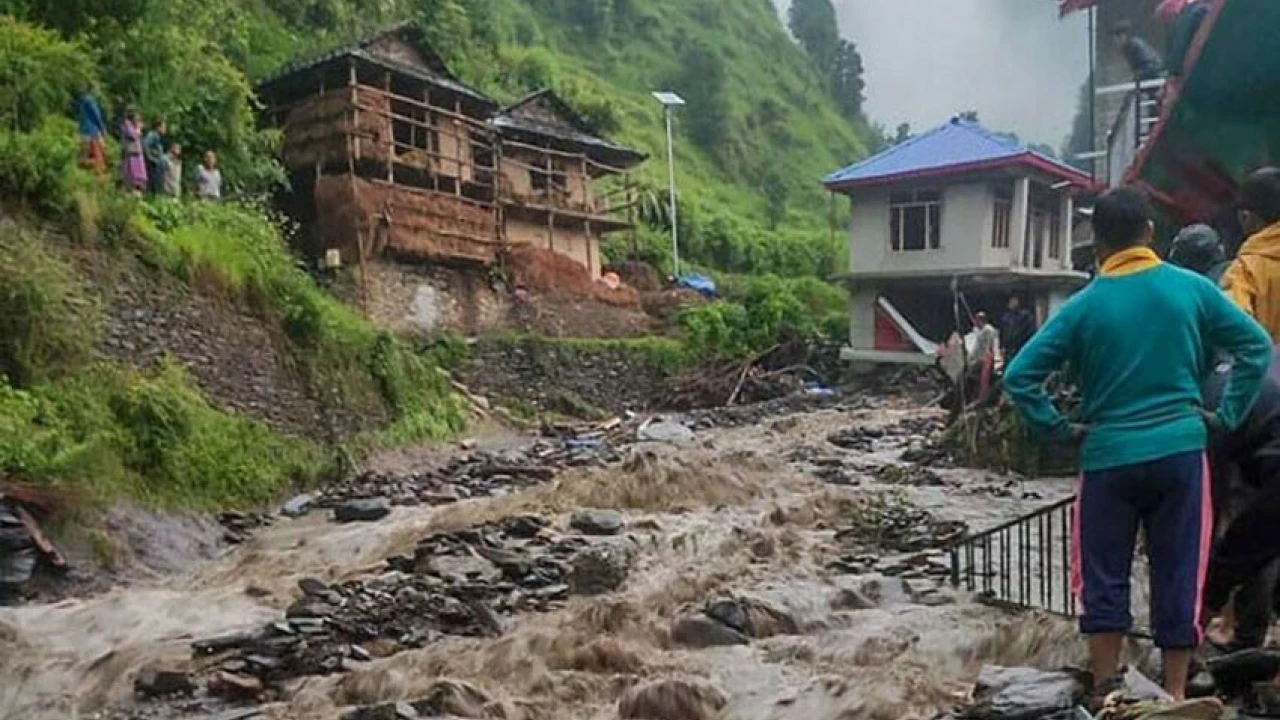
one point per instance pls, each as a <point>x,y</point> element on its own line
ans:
<point>947,224</point>
<point>420,184</point>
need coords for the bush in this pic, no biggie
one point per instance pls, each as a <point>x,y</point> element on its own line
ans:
<point>38,168</point>
<point>153,438</point>
<point>48,325</point>
<point>760,311</point>
<point>40,74</point>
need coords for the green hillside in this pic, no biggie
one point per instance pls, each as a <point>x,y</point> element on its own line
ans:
<point>758,133</point>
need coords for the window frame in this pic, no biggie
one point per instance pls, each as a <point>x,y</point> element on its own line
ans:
<point>928,202</point>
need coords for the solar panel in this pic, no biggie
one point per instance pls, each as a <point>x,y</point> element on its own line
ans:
<point>668,98</point>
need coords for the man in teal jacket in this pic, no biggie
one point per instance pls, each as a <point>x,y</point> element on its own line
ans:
<point>1139,339</point>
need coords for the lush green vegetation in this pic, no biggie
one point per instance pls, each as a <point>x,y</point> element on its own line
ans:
<point>767,118</point>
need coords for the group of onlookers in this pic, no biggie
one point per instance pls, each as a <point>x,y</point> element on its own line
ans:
<point>149,161</point>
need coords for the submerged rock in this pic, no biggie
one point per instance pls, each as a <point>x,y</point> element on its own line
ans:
<point>298,505</point>
<point>752,617</point>
<point>700,631</point>
<point>1023,693</point>
<point>598,522</point>
<point>156,682</point>
<point>666,432</point>
<point>366,510</point>
<point>672,699</point>
<point>599,570</point>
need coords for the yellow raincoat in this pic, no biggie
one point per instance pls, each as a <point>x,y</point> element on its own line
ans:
<point>1253,280</point>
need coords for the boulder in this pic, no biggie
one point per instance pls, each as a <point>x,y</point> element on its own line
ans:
<point>672,699</point>
<point>665,431</point>
<point>700,631</point>
<point>599,570</point>
<point>363,510</point>
<point>753,618</point>
<point>452,697</point>
<point>156,681</point>
<point>851,599</point>
<point>298,505</point>
<point>598,522</point>
<point>232,686</point>
<point>1023,693</point>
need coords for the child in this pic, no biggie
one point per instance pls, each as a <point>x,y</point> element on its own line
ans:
<point>1138,339</point>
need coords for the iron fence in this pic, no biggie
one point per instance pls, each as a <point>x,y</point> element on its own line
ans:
<point>1026,564</point>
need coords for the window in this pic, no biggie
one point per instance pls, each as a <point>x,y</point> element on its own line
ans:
<point>915,221</point>
<point>1002,226</point>
<point>552,180</point>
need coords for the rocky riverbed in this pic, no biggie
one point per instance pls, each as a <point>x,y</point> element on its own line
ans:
<point>767,563</point>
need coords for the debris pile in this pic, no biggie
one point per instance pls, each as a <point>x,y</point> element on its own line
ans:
<point>881,523</point>
<point>454,583</point>
<point>238,526</point>
<point>468,475</point>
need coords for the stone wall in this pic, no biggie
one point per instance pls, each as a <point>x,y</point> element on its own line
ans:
<point>424,299</point>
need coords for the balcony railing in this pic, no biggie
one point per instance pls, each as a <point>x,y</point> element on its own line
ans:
<point>1139,114</point>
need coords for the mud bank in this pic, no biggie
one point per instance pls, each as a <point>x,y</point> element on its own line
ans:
<point>758,583</point>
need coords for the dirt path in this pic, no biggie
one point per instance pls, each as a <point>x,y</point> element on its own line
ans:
<point>738,515</point>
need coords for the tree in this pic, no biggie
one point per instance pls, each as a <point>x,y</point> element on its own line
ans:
<point>970,116</point>
<point>813,23</point>
<point>847,85</point>
<point>903,134</point>
<point>775,195</point>
<point>703,79</point>
<point>1081,139</point>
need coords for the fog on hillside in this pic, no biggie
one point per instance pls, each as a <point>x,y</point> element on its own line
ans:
<point>1014,61</point>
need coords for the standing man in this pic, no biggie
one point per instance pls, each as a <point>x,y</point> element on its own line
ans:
<point>1143,453</point>
<point>1143,59</point>
<point>1016,328</point>
<point>173,171</point>
<point>153,150</point>
<point>1253,278</point>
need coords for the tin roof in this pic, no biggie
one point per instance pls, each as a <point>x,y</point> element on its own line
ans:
<point>955,148</point>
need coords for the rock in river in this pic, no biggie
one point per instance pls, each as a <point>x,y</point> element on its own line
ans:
<point>700,631</point>
<point>1023,693</point>
<point>672,699</point>
<point>364,510</point>
<point>599,570</point>
<point>598,522</point>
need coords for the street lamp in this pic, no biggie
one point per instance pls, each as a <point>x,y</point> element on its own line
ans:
<point>671,100</point>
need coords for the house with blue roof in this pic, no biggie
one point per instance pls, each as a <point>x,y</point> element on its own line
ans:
<point>956,213</point>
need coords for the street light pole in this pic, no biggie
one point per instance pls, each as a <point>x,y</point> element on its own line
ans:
<point>671,191</point>
<point>669,101</point>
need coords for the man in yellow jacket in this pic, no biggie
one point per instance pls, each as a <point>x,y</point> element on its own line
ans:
<point>1253,280</point>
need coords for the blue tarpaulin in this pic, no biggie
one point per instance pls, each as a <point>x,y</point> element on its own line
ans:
<point>699,283</point>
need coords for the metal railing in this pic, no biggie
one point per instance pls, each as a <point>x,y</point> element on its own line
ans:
<point>1025,564</point>
<point>1139,114</point>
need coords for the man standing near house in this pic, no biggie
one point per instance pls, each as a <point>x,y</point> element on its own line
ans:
<point>1253,278</point>
<point>1143,59</point>
<point>1144,437</point>
<point>1016,328</point>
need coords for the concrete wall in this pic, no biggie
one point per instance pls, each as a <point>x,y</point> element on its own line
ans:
<point>967,212</point>
<point>862,299</point>
<point>574,243</point>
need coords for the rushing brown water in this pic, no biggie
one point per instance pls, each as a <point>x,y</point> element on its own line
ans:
<point>728,516</point>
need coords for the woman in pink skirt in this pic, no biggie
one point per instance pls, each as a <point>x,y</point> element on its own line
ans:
<point>133,166</point>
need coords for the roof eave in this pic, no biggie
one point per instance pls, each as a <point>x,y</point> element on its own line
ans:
<point>1026,159</point>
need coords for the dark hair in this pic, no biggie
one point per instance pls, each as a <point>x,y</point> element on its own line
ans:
<point>157,120</point>
<point>1124,27</point>
<point>1120,218</point>
<point>1260,194</point>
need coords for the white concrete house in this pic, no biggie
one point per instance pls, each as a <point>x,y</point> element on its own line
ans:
<point>949,223</point>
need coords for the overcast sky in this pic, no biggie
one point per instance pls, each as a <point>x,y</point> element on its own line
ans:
<point>1013,61</point>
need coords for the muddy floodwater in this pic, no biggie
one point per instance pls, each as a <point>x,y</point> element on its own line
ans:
<point>769,517</point>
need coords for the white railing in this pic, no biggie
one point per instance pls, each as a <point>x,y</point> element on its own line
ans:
<point>1138,117</point>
